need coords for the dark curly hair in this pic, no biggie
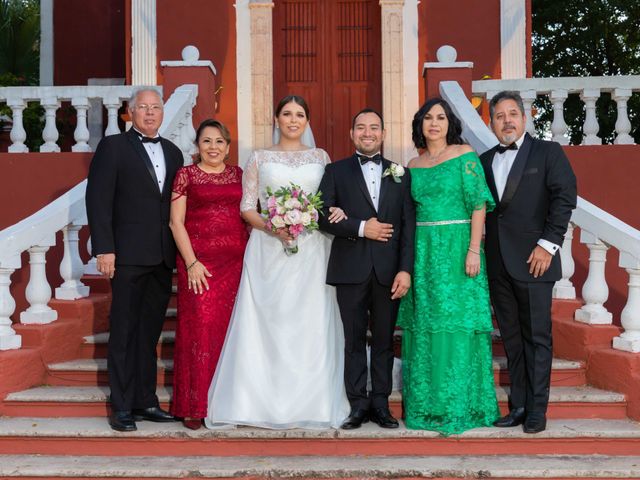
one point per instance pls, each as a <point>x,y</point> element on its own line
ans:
<point>454,132</point>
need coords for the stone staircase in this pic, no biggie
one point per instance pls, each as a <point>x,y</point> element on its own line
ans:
<point>59,430</point>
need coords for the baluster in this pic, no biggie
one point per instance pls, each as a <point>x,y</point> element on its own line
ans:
<point>590,128</point>
<point>71,267</point>
<point>91,268</point>
<point>18,134</point>
<point>38,291</point>
<point>8,338</point>
<point>81,134</point>
<point>112,104</point>
<point>50,132</point>
<point>528,97</point>
<point>623,125</point>
<point>629,340</point>
<point>558,125</point>
<point>595,290</point>
<point>563,287</point>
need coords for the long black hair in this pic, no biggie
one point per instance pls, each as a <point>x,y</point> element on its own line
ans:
<point>454,132</point>
<point>297,99</point>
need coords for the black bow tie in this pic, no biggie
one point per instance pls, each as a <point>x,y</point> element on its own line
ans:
<point>150,140</point>
<point>502,148</point>
<point>377,158</point>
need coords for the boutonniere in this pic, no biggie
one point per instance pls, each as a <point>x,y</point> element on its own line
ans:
<point>396,171</point>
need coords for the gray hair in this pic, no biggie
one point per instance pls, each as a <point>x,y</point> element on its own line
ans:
<point>136,93</point>
<point>505,95</point>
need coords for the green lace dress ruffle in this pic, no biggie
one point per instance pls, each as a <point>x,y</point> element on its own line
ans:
<point>448,381</point>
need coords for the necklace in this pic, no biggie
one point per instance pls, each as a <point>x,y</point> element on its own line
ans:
<point>433,158</point>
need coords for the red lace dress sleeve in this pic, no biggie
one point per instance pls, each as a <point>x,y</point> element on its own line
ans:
<point>181,182</point>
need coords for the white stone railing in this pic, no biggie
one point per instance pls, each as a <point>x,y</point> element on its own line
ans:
<point>557,89</point>
<point>37,233</point>
<point>50,98</point>
<point>599,230</point>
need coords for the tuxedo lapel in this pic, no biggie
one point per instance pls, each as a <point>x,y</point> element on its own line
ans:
<point>171,167</point>
<point>384,183</point>
<point>491,181</point>
<point>132,135</point>
<point>357,174</point>
<point>515,174</point>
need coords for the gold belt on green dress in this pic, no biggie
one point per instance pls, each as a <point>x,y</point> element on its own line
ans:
<point>442,222</point>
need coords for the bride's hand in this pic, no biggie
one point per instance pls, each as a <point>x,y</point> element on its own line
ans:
<point>337,215</point>
<point>283,234</point>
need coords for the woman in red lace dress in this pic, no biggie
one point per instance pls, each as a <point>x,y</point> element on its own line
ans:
<point>211,237</point>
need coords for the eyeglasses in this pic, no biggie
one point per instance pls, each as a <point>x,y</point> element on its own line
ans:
<point>149,108</point>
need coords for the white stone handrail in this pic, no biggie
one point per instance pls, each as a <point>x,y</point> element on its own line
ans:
<point>37,233</point>
<point>599,230</point>
<point>557,89</point>
<point>50,98</point>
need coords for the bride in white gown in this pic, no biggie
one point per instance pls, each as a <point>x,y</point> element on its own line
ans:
<point>282,364</point>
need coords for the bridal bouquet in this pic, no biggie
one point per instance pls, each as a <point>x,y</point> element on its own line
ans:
<point>293,209</point>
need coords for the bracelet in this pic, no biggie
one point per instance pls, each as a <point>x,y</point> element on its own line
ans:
<point>194,262</point>
<point>477,252</point>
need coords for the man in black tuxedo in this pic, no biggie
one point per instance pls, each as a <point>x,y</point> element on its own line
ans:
<point>128,199</point>
<point>371,262</point>
<point>535,191</point>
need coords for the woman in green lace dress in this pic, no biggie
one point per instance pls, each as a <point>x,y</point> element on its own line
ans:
<point>446,347</point>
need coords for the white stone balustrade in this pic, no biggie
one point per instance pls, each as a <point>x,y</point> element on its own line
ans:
<point>50,98</point>
<point>528,97</point>
<point>8,338</point>
<point>558,89</point>
<point>38,292</point>
<point>629,340</point>
<point>595,290</point>
<point>564,288</point>
<point>71,266</point>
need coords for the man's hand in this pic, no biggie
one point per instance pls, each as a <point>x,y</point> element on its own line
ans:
<point>374,230</point>
<point>539,261</point>
<point>106,264</point>
<point>401,285</point>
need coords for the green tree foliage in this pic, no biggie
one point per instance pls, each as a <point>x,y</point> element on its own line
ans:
<point>583,38</point>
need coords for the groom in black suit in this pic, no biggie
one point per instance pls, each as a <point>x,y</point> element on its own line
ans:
<point>534,188</point>
<point>128,199</point>
<point>371,262</point>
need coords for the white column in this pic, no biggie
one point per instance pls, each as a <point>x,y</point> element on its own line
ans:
<point>8,338</point>
<point>629,340</point>
<point>558,125</point>
<point>411,81</point>
<point>590,128</point>
<point>563,287</point>
<point>81,133</point>
<point>513,39</point>
<point>18,134</point>
<point>91,267</point>
<point>528,97</point>
<point>38,291</point>
<point>262,71</point>
<point>50,132</point>
<point>623,125</point>
<point>71,267</point>
<point>393,78</point>
<point>143,42</point>
<point>595,290</point>
<point>46,43</point>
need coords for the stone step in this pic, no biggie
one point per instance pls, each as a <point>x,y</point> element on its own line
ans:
<point>93,371</point>
<point>479,466</point>
<point>65,401</point>
<point>95,346</point>
<point>92,436</point>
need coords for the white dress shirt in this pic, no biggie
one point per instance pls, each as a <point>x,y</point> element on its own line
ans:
<point>501,166</point>
<point>156,155</point>
<point>372,174</point>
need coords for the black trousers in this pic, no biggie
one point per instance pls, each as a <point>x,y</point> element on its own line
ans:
<point>358,303</point>
<point>523,312</point>
<point>140,295</point>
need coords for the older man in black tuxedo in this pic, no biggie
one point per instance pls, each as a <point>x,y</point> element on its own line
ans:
<point>371,262</point>
<point>128,199</point>
<point>535,191</point>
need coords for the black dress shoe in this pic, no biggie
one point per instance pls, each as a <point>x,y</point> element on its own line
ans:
<point>355,419</point>
<point>122,421</point>
<point>535,423</point>
<point>514,418</point>
<point>153,414</point>
<point>382,416</point>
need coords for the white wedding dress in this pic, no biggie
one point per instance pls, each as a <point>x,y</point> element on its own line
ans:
<point>282,364</point>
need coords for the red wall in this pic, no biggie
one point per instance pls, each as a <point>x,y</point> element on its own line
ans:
<point>89,40</point>
<point>211,28</point>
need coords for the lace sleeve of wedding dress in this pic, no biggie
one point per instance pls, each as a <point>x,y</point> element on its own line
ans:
<point>250,191</point>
